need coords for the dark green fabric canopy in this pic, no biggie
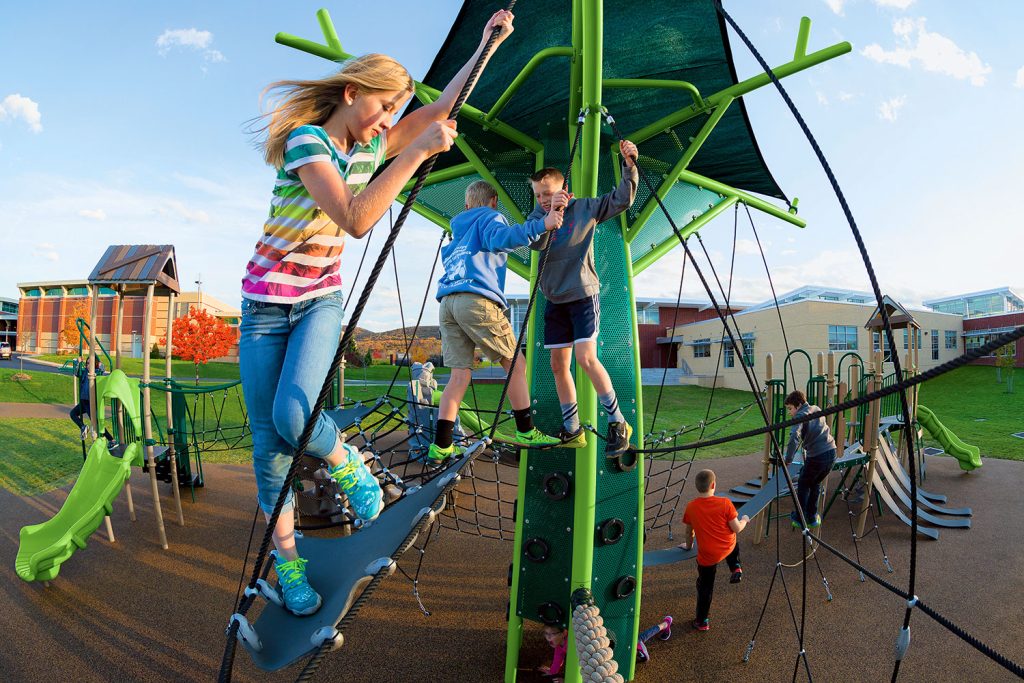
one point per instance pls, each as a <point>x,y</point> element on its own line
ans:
<point>663,39</point>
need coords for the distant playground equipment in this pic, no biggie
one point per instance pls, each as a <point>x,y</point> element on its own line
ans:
<point>169,450</point>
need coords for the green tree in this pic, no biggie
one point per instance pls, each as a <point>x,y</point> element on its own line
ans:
<point>1006,359</point>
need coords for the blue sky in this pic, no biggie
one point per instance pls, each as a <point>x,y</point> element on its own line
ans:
<point>123,123</point>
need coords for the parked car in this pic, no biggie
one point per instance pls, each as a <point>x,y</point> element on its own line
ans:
<point>5,351</point>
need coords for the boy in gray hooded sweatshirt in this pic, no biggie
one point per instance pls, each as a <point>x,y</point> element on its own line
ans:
<point>819,456</point>
<point>571,286</point>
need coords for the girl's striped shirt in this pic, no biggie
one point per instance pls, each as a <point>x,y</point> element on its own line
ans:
<point>299,255</point>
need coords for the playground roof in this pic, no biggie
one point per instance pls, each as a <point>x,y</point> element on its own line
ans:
<point>135,266</point>
<point>899,317</point>
<point>662,39</point>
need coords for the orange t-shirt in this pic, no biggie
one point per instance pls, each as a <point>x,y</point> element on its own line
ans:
<point>709,518</point>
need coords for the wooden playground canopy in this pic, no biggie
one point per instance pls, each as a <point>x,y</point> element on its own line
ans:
<point>136,266</point>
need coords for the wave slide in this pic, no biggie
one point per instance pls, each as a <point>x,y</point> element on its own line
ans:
<point>969,456</point>
<point>44,547</point>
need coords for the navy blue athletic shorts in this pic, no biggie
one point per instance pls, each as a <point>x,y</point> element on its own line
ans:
<point>571,322</point>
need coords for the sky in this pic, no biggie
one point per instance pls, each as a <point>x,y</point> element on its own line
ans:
<point>124,122</point>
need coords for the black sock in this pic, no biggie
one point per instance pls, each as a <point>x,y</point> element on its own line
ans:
<point>524,420</point>
<point>443,433</point>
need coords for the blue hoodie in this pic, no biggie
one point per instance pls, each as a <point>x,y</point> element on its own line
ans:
<point>474,261</point>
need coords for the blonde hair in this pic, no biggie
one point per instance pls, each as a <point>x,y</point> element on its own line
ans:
<point>479,193</point>
<point>312,102</point>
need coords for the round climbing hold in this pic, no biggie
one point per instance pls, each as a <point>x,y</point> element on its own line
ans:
<point>536,549</point>
<point>557,485</point>
<point>551,613</point>
<point>625,586</point>
<point>611,531</point>
<point>625,461</point>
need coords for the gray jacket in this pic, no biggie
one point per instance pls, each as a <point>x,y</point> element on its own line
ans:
<point>569,273</point>
<point>815,435</point>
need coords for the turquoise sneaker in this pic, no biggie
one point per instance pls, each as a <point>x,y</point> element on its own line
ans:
<point>357,481</point>
<point>299,597</point>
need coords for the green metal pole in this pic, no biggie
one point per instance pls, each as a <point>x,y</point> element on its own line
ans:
<point>750,200</point>
<point>671,243</point>
<point>585,185</point>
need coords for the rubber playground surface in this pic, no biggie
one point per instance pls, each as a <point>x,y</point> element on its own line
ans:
<point>131,611</point>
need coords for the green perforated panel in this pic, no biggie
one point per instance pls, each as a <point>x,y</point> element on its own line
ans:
<point>685,202</point>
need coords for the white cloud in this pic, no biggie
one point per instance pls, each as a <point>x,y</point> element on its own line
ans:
<point>172,207</point>
<point>202,184</point>
<point>890,109</point>
<point>836,6</point>
<point>822,99</point>
<point>189,38</point>
<point>897,4</point>
<point>17,107</point>
<point>745,246</point>
<point>1019,83</point>
<point>932,51</point>
<point>845,96</point>
<point>47,251</point>
<point>95,214</point>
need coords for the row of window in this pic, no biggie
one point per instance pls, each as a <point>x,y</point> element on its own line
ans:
<point>72,291</point>
<point>840,338</point>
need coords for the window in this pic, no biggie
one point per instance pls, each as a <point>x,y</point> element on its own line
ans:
<point>842,338</point>
<point>828,298</point>
<point>975,341</point>
<point>78,291</point>
<point>9,308</point>
<point>906,338</point>
<point>935,344</point>
<point>54,291</point>
<point>748,349</point>
<point>730,357</point>
<point>887,353</point>
<point>647,315</point>
<point>107,291</point>
<point>951,339</point>
<point>33,292</point>
<point>702,348</point>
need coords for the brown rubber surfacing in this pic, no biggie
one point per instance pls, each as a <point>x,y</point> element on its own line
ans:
<point>133,612</point>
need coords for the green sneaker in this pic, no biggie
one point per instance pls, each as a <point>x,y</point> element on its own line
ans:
<point>534,438</point>
<point>577,439</point>
<point>437,455</point>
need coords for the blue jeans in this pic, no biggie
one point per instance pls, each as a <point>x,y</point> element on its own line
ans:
<point>285,351</point>
<point>808,487</point>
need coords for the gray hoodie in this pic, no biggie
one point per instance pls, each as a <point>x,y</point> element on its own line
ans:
<point>569,273</point>
<point>815,435</point>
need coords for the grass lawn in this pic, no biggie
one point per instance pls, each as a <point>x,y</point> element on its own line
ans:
<point>977,409</point>
<point>181,370</point>
<point>680,405</point>
<point>38,455</point>
<point>44,387</point>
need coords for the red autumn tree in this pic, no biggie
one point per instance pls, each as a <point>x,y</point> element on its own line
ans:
<point>199,336</point>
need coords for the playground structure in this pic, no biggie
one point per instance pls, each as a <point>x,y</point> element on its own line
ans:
<point>602,570</point>
<point>190,429</point>
<point>561,496</point>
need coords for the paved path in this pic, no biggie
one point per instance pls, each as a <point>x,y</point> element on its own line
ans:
<point>47,410</point>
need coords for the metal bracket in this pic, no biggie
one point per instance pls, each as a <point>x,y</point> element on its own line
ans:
<point>246,633</point>
<point>327,634</point>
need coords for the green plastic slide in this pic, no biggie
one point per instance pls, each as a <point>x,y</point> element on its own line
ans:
<point>44,547</point>
<point>968,456</point>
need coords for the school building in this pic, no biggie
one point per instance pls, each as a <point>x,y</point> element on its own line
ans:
<point>815,319</point>
<point>985,315</point>
<point>9,321</point>
<point>44,307</point>
<point>654,318</point>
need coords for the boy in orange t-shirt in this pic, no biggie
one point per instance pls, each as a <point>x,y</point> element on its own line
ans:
<point>714,522</point>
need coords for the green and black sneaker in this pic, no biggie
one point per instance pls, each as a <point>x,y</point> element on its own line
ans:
<point>437,455</point>
<point>534,439</point>
<point>577,439</point>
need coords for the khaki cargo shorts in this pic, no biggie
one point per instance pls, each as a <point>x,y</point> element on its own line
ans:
<point>470,320</point>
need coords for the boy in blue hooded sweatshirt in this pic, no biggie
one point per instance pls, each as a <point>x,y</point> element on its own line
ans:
<point>473,304</point>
